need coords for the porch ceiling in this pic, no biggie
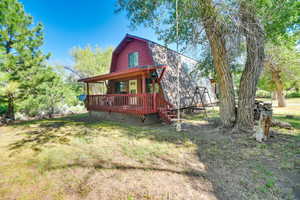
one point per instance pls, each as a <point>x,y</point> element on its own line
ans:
<point>138,71</point>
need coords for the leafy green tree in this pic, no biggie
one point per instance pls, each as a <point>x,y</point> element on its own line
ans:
<point>53,94</point>
<point>21,57</point>
<point>282,70</point>
<point>9,91</point>
<point>206,66</point>
<point>91,61</point>
<point>253,32</point>
<point>70,78</point>
<point>261,21</point>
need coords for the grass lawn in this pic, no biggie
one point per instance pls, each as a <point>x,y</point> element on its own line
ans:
<point>293,106</point>
<point>292,109</point>
<point>79,158</point>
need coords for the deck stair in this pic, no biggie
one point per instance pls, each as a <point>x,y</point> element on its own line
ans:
<point>167,115</point>
<point>166,111</point>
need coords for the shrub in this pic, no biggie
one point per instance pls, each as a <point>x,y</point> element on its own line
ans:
<point>293,94</point>
<point>263,94</point>
<point>3,109</point>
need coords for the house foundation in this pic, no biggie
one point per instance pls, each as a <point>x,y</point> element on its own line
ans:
<point>125,118</point>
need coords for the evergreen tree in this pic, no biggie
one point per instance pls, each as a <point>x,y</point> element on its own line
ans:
<point>21,58</point>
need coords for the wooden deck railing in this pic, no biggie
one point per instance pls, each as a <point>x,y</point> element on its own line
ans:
<point>124,103</point>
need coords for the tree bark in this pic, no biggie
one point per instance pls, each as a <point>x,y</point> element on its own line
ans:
<point>279,88</point>
<point>215,33</point>
<point>11,107</point>
<point>281,98</point>
<point>274,95</point>
<point>253,67</point>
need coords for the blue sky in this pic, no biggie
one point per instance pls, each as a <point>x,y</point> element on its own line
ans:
<point>69,23</point>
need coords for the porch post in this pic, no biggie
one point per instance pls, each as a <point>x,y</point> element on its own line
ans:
<point>87,95</point>
<point>153,86</point>
<point>143,84</point>
<point>144,92</point>
<point>154,95</point>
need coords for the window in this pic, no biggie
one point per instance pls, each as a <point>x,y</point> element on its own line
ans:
<point>133,86</point>
<point>149,87</point>
<point>121,87</point>
<point>133,59</point>
<point>186,68</point>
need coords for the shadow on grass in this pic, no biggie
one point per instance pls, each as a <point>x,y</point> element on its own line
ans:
<point>106,165</point>
<point>62,130</point>
<point>57,122</point>
<point>229,158</point>
<point>48,131</point>
<point>293,120</point>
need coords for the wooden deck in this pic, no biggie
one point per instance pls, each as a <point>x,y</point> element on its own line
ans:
<point>140,104</point>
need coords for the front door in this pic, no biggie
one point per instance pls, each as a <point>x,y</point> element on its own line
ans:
<point>132,90</point>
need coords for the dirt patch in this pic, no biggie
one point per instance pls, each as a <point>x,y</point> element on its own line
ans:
<point>138,184</point>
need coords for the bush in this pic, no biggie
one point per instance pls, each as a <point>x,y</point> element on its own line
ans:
<point>3,109</point>
<point>263,94</point>
<point>293,94</point>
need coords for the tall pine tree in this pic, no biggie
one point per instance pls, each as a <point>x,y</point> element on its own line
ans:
<point>20,56</point>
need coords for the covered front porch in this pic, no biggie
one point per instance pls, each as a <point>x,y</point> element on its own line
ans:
<point>133,91</point>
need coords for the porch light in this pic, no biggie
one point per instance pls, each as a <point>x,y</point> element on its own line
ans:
<point>154,75</point>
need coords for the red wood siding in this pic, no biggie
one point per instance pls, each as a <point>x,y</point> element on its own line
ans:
<point>121,60</point>
<point>112,89</point>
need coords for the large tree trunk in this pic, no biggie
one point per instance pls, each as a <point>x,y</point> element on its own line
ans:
<point>274,95</point>
<point>227,102</point>
<point>281,98</point>
<point>216,36</point>
<point>253,67</point>
<point>279,88</point>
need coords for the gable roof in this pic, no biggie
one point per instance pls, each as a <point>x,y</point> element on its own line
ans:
<point>128,38</point>
<point>144,39</point>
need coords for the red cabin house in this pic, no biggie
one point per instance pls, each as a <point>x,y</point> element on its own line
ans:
<point>142,81</point>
